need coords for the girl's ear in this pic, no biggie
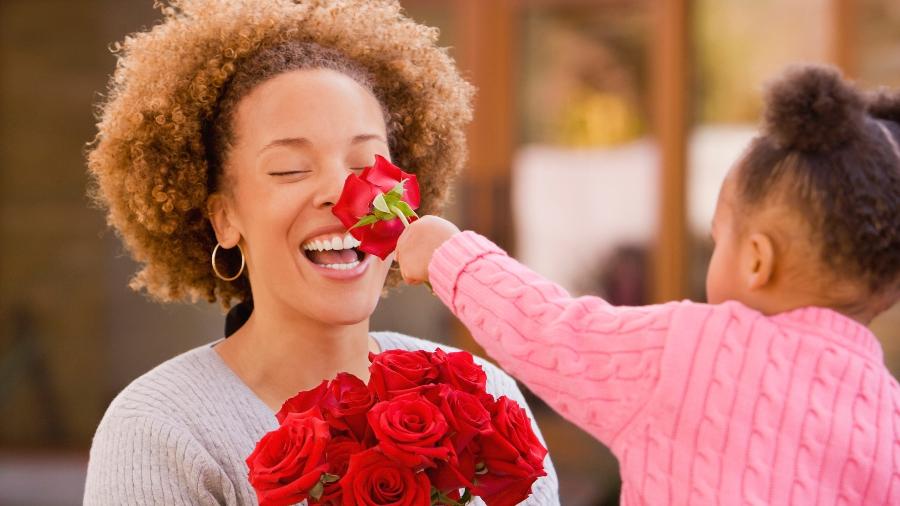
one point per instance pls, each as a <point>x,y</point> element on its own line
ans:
<point>224,223</point>
<point>761,261</point>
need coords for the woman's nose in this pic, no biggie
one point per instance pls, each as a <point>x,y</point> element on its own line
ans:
<point>332,184</point>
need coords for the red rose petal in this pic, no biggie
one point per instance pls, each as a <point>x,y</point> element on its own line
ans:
<point>355,201</point>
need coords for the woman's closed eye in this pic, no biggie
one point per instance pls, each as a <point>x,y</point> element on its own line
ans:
<point>288,172</point>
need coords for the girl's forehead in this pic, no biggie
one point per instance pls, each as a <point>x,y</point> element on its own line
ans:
<point>728,188</point>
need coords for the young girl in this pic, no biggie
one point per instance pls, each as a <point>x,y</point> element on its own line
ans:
<point>775,392</point>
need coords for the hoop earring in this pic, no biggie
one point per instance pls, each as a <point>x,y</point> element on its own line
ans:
<point>216,269</point>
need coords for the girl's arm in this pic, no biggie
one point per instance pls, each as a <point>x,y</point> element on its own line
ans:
<point>595,363</point>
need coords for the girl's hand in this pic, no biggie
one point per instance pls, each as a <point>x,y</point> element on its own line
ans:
<point>418,243</point>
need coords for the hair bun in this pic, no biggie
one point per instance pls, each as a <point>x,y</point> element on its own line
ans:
<point>885,104</point>
<point>812,108</point>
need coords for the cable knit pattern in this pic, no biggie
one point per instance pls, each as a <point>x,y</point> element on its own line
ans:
<point>180,434</point>
<point>702,404</point>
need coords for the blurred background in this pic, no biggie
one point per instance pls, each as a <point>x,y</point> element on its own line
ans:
<point>602,132</point>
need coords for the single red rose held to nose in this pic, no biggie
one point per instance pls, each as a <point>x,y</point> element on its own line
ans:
<point>376,206</point>
<point>373,479</point>
<point>289,462</point>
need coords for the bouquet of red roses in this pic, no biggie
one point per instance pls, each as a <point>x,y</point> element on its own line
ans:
<point>423,431</point>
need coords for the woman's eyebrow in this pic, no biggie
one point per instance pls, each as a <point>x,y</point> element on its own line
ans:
<point>287,141</point>
<point>367,137</point>
<point>304,142</point>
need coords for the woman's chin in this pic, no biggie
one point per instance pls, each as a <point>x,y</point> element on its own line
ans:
<point>342,314</point>
<point>341,304</point>
<point>336,296</point>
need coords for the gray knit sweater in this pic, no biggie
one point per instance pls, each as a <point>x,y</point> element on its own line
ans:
<point>180,433</point>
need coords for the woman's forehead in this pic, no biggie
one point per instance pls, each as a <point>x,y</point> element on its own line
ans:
<point>309,104</point>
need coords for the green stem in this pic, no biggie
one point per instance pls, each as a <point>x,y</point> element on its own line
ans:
<point>443,499</point>
<point>398,213</point>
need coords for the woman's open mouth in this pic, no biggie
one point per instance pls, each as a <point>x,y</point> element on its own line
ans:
<point>335,252</point>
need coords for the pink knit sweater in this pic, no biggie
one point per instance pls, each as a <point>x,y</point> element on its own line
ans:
<point>702,404</point>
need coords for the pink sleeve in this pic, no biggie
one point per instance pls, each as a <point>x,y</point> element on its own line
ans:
<point>594,363</point>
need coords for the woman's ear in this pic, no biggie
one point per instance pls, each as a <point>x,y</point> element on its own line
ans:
<point>761,261</point>
<point>221,215</point>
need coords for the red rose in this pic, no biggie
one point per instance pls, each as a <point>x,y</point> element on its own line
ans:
<point>288,462</point>
<point>395,372</point>
<point>466,417</point>
<point>303,401</point>
<point>379,238</point>
<point>411,431</point>
<point>459,369</point>
<point>337,454</point>
<point>373,479</point>
<point>511,421</point>
<point>384,176</point>
<point>349,399</point>
<point>512,456</point>
<point>356,201</point>
<point>458,472</point>
<point>468,420</point>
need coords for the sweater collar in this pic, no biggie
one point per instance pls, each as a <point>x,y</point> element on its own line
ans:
<point>852,334</point>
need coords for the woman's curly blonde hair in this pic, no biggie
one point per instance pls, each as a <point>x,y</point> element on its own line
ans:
<point>150,161</point>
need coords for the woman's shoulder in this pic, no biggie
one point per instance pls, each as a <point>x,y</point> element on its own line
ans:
<point>173,391</point>
<point>498,382</point>
<point>169,433</point>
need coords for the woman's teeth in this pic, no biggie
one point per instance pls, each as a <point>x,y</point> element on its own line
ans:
<point>341,267</point>
<point>332,243</point>
<point>336,252</point>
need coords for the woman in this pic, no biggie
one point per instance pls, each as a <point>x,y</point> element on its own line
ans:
<point>228,132</point>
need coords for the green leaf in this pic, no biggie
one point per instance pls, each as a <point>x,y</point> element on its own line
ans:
<point>439,498</point>
<point>380,204</point>
<point>365,220</point>
<point>392,198</point>
<point>382,216</point>
<point>408,211</point>
<point>480,469</point>
<point>330,478</point>
<point>317,491</point>
<point>399,189</point>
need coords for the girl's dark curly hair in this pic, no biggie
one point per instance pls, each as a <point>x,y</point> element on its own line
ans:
<point>832,153</point>
<point>164,127</point>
